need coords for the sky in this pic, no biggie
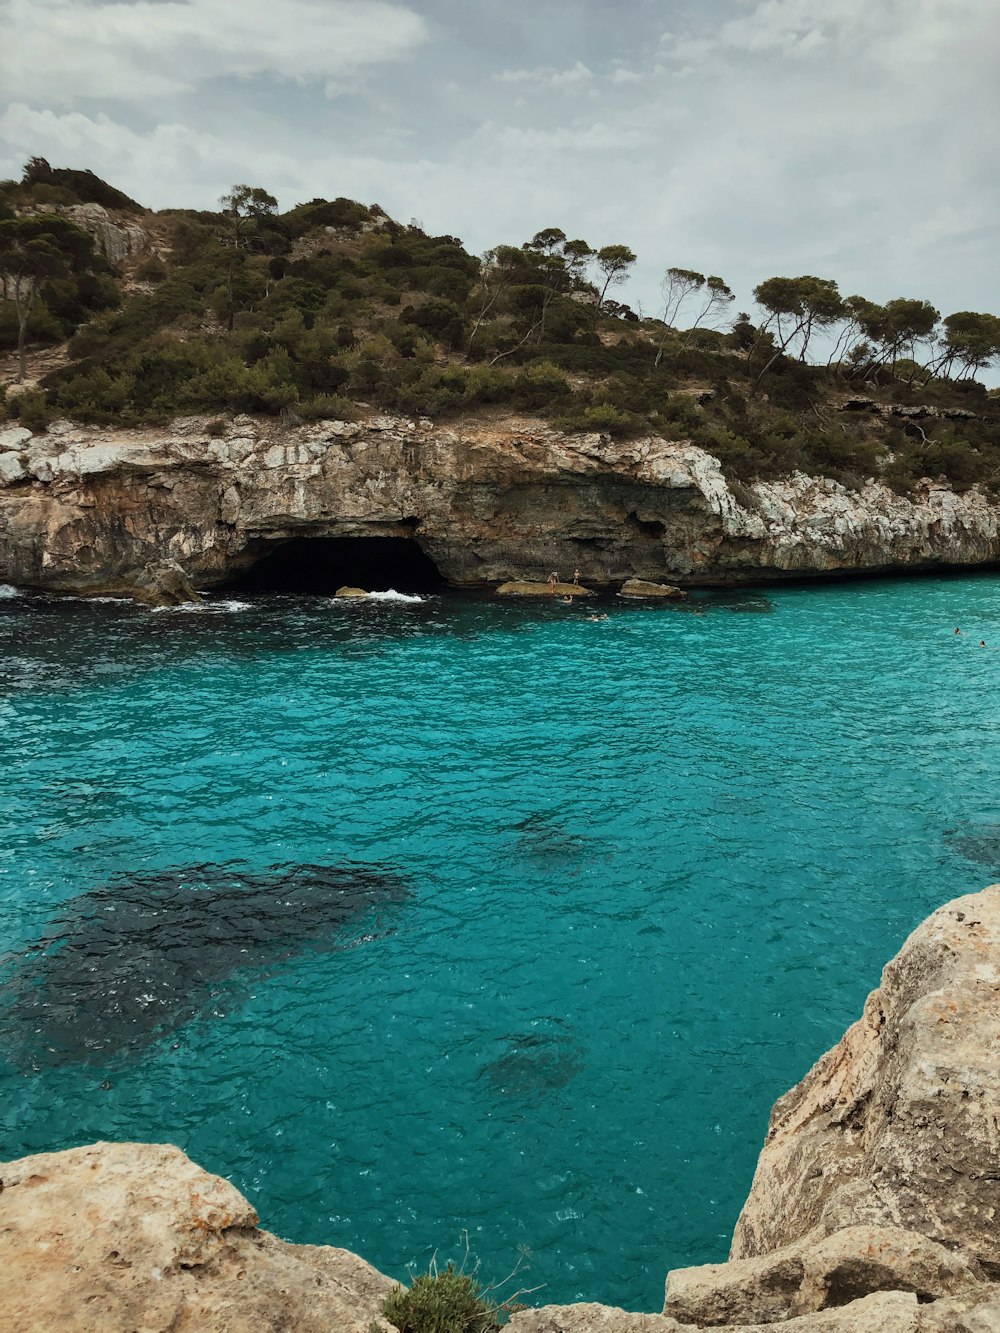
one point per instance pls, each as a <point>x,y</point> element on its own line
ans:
<point>851,139</point>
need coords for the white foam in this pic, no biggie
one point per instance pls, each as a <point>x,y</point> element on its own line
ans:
<point>391,595</point>
<point>105,600</point>
<point>7,591</point>
<point>224,605</point>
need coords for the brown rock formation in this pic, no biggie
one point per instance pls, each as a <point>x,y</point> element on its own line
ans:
<point>642,589</point>
<point>128,1236</point>
<point>86,510</point>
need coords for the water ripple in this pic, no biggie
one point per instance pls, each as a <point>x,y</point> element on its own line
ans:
<point>655,861</point>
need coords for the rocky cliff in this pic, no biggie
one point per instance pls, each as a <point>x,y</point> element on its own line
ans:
<point>88,510</point>
<point>874,1205</point>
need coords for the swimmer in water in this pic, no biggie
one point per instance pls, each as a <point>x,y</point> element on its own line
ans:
<point>982,643</point>
<point>958,631</point>
<point>566,601</point>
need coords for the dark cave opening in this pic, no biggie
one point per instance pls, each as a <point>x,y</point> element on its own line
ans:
<point>321,565</point>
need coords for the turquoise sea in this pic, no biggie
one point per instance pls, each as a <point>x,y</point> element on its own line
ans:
<point>419,917</point>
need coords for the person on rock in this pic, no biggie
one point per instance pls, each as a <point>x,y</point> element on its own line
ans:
<point>553,582</point>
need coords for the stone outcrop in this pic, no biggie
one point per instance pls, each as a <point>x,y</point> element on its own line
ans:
<point>86,510</point>
<point>643,589</point>
<point>874,1208</point>
<point>899,1125</point>
<point>127,1236</point>
<point>164,583</point>
<point>116,239</point>
<point>527,588</point>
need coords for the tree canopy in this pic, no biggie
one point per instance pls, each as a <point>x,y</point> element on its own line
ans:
<point>36,250</point>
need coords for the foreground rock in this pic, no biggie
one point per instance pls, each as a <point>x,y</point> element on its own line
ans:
<point>129,1236</point>
<point>83,510</point>
<point>874,1208</point>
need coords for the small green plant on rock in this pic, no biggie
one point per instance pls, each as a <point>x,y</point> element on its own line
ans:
<point>454,1301</point>
<point>441,1302</point>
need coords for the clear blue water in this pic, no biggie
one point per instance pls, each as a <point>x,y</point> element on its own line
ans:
<point>653,866</point>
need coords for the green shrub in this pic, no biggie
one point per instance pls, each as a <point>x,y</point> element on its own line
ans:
<point>31,410</point>
<point>540,384</point>
<point>448,1302</point>
<point>601,417</point>
<point>327,407</point>
<point>152,269</point>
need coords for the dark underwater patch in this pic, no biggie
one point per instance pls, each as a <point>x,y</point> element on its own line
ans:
<point>535,1061</point>
<point>543,839</point>
<point>128,963</point>
<point>751,603</point>
<point>979,843</point>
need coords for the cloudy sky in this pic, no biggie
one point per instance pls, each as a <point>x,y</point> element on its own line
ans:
<point>854,139</point>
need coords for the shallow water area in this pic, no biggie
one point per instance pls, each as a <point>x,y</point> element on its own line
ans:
<point>612,885</point>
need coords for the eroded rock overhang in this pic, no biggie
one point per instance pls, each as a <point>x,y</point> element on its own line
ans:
<point>86,510</point>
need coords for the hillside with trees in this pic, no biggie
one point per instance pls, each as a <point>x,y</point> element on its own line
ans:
<point>333,308</point>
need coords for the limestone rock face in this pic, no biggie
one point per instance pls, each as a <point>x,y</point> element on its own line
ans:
<point>128,1236</point>
<point>86,509</point>
<point>897,1126</point>
<point>116,240</point>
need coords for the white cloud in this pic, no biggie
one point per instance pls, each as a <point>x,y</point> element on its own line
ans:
<point>574,77</point>
<point>65,50</point>
<point>854,141</point>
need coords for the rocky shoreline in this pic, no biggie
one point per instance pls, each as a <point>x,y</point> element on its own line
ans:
<point>874,1205</point>
<point>90,511</point>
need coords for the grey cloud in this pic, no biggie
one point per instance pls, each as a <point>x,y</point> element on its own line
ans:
<point>864,152</point>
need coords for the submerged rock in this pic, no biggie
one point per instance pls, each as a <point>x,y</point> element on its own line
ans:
<point>126,964</point>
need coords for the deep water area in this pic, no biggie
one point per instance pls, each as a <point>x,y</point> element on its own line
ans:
<point>420,916</point>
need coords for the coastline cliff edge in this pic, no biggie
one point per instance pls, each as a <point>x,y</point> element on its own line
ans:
<point>90,511</point>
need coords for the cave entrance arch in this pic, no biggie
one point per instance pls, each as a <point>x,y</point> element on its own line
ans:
<point>320,565</point>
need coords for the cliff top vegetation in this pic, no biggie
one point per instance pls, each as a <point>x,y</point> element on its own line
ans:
<point>332,308</point>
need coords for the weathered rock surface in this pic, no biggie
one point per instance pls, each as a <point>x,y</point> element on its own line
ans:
<point>897,1126</point>
<point>641,588</point>
<point>876,1198</point>
<point>527,588</point>
<point>164,583</point>
<point>116,239</point>
<point>129,1236</point>
<point>885,1312</point>
<point>87,509</point>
